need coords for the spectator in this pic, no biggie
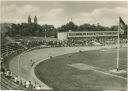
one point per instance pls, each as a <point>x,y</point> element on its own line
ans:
<point>27,84</point>
<point>7,73</point>
<point>38,87</point>
<point>15,79</point>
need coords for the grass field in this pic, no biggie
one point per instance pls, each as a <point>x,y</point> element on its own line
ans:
<point>65,72</point>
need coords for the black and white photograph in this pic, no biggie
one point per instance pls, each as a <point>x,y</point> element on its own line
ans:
<point>63,45</point>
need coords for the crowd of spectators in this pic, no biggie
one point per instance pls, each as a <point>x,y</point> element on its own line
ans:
<point>8,52</point>
<point>102,41</point>
<point>25,84</point>
<point>74,42</point>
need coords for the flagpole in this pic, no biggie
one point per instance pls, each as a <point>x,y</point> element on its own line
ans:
<point>127,55</point>
<point>118,47</point>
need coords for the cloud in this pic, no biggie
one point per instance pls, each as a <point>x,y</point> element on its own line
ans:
<point>18,14</point>
<point>54,13</point>
<point>104,16</point>
<point>15,14</point>
<point>57,16</point>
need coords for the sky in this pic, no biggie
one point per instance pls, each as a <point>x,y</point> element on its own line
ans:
<point>58,13</point>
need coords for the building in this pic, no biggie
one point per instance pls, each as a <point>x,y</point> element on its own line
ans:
<point>86,34</point>
<point>35,20</point>
<point>29,20</point>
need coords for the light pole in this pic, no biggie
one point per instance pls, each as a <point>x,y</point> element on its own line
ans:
<point>45,33</point>
<point>7,51</point>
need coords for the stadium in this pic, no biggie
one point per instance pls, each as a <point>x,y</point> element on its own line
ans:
<point>55,66</point>
<point>70,57</point>
<point>71,68</point>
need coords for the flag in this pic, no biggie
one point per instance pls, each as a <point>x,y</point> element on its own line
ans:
<point>121,32</point>
<point>121,26</point>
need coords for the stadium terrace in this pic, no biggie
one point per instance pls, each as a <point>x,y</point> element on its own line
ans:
<point>86,34</point>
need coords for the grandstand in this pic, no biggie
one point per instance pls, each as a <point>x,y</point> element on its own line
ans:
<point>86,34</point>
<point>7,84</point>
<point>9,51</point>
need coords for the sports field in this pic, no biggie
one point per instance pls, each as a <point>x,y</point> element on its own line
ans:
<point>89,70</point>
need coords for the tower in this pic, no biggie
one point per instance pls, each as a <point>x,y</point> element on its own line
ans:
<point>35,20</point>
<point>29,20</point>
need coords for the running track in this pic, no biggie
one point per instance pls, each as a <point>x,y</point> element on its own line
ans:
<point>39,55</point>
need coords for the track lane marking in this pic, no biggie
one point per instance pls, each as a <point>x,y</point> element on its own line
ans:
<point>110,74</point>
<point>82,66</point>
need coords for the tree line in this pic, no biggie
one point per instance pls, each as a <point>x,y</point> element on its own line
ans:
<point>25,29</point>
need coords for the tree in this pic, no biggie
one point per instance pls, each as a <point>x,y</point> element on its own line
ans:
<point>69,26</point>
<point>48,30</point>
<point>84,27</point>
<point>114,28</point>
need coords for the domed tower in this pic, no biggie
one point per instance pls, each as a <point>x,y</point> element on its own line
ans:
<point>29,20</point>
<point>35,20</point>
